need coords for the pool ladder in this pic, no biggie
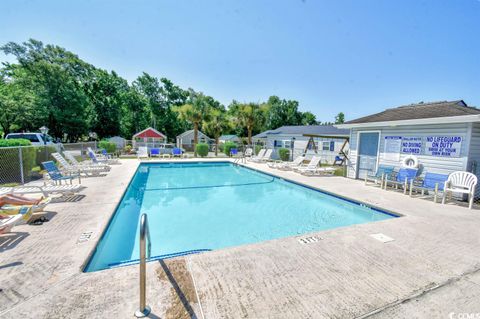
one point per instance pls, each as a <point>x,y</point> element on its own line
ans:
<point>145,251</point>
<point>241,159</point>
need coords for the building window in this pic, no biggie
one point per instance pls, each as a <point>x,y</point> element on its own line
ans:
<point>287,144</point>
<point>326,146</point>
<point>278,143</point>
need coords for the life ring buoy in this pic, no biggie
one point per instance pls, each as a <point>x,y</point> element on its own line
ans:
<point>410,161</point>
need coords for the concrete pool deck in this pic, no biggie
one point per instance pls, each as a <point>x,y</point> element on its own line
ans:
<point>431,269</point>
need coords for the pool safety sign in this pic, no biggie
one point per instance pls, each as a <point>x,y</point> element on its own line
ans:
<point>411,145</point>
<point>391,149</point>
<point>448,146</point>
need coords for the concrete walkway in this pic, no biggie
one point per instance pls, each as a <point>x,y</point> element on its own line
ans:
<point>430,269</point>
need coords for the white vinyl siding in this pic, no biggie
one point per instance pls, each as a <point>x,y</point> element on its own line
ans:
<point>300,144</point>
<point>435,164</point>
<point>474,153</point>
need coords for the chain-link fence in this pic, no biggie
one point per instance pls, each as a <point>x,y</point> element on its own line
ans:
<point>19,165</point>
<point>23,164</point>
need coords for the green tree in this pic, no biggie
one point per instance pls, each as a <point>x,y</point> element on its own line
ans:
<point>57,77</point>
<point>194,112</point>
<point>282,112</point>
<point>340,118</point>
<point>309,118</point>
<point>249,116</point>
<point>107,93</point>
<point>216,125</point>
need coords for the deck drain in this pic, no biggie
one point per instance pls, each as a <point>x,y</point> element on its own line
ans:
<point>382,237</point>
<point>85,236</point>
<point>309,240</point>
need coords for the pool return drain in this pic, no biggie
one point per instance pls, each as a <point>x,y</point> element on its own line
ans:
<point>309,240</point>
<point>85,236</point>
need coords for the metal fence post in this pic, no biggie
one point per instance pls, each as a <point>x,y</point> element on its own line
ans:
<point>20,161</point>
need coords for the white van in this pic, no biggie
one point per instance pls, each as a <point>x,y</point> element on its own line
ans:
<point>35,138</point>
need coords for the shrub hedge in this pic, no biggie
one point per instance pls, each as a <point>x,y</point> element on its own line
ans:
<point>284,154</point>
<point>9,160</point>
<point>227,147</point>
<point>110,147</point>
<point>257,149</point>
<point>202,149</point>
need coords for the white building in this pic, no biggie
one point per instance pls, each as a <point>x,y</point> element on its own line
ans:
<point>229,138</point>
<point>326,141</point>
<point>444,136</point>
<point>185,140</point>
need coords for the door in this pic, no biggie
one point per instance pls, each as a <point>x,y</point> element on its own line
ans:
<point>367,157</point>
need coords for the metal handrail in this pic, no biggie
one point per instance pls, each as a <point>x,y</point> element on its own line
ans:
<point>145,251</point>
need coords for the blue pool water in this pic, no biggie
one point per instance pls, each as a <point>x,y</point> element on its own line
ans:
<point>204,206</point>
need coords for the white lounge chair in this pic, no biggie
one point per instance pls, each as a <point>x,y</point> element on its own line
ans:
<point>142,152</point>
<point>297,162</point>
<point>87,170</point>
<point>100,158</point>
<point>6,224</point>
<point>462,183</point>
<point>45,190</point>
<point>259,156</point>
<point>267,156</point>
<point>248,152</point>
<point>314,168</point>
<point>71,158</point>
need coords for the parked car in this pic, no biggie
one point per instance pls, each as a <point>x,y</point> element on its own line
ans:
<point>37,139</point>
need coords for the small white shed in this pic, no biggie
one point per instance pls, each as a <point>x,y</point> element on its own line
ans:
<point>444,136</point>
<point>119,141</point>
<point>186,139</point>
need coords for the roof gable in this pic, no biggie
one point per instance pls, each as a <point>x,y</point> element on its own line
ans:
<point>420,111</point>
<point>149,132</point>
<point>186,133</point>
<point>305,130</point>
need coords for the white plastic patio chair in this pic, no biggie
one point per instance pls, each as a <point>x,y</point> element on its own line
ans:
<point>71,158</point>
<point>462,183</point>
<point>142,152</point>
<point>45,190</point>
<point>259,156</point>
<point>314,168</point>
<point>87,170</point>
<point>267,156</point>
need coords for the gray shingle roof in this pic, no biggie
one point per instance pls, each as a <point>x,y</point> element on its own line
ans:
<point>306,129</point>
<point>186,133</point>
<point>420,111</point>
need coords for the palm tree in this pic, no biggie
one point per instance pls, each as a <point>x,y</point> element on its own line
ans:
<point>194,113</point>
<point>216,125</point>
<point>249,116</point>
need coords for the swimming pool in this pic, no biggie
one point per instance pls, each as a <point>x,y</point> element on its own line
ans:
<point>194,207</point>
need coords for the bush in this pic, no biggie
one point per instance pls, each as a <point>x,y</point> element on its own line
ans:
<point>127,149</point>
<point>257,149</point>
<point>202,149</point>
<point>227,147</point>
<point>14,142</point>
<point>284,154</point>
<point>220,147</point>
<point>9,160</point>
<point>44,154</point>
<point>110,147</point>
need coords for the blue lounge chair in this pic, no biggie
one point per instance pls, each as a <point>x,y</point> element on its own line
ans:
<point>154,152</point>
<point>233,152</point>
<point>382,173</point>
<point>403,178</point>
<point>56,175</point>
<point>431,182</point>
<point>177,152</point>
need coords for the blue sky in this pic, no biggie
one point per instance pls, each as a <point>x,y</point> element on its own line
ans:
<point>355,56</point>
